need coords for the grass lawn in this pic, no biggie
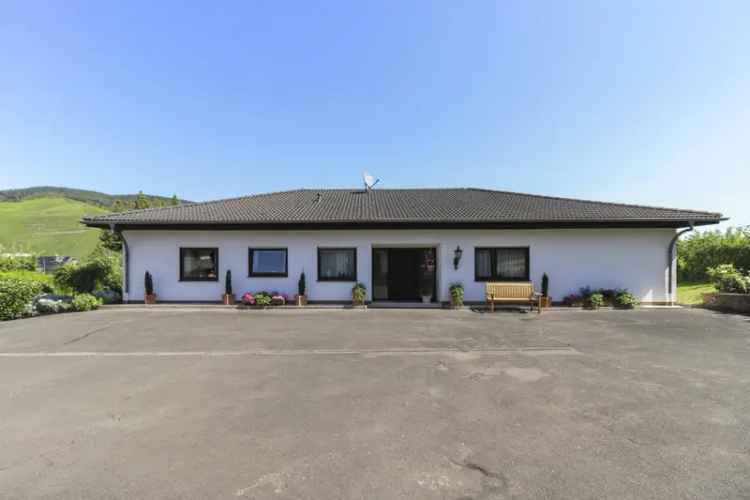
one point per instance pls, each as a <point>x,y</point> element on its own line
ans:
<point>47,226</point>
<point>690,293</point>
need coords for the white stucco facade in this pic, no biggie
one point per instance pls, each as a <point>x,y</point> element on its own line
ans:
<point>635,259</point>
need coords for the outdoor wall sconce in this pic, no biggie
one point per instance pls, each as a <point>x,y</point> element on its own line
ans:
<point>457,256</point>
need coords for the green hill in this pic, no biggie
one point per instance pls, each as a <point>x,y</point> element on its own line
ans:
<point>48,226</point>
<point>92,197</point>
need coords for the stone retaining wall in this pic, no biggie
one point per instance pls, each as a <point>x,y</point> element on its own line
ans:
<point>735,302</point>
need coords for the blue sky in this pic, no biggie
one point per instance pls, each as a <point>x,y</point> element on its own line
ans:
<point>620,101</point>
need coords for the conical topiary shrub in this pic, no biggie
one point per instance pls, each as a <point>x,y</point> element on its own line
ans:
<point>148,285</point>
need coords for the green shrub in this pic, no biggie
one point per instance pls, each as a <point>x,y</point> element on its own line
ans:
<point>85,302</point>
<point>359,293</point>
<point>709,249</point>
<point>16,297</point>
<point>262,299</point>
<point>45,281</point>
<point>727,279</point>
<point>625,299</point>
<point>545,285</point>
<point>595,300</point>
<point>148,283</point>
<point>457,294</point>
<point>101,270</point>
<point>301,285</point>
<point>228,283</point>
<point>13,263</point>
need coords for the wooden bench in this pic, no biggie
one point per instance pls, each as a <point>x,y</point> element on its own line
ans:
<point>522,291</point>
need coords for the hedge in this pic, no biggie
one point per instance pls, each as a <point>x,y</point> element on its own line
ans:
<point>16,297</point>
<point>703,249</point>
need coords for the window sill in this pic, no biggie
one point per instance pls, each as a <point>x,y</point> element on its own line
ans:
<point>267,275</point>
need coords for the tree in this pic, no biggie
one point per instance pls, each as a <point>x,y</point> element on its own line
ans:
<point>142,201</point>
<point>703,249</point>
<point>119,206</point>
<point>111,240</point>
<point>174,201</point>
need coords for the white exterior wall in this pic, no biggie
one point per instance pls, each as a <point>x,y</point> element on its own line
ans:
<point>609,258</point>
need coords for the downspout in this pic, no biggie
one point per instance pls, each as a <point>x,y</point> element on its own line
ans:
<point>125,263</point>
<point>670,256</point>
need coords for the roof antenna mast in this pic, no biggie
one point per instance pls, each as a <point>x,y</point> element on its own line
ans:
<point>369,181</point>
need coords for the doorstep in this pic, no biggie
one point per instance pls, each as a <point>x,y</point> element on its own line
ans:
<point>386,304</point>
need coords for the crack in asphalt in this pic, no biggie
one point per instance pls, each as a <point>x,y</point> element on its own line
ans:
<point>493,483</point>
<point>96,330</point>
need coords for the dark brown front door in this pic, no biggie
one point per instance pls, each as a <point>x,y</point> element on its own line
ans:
<point>403,274</point>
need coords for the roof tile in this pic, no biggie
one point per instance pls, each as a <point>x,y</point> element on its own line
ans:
<point>438,206</point>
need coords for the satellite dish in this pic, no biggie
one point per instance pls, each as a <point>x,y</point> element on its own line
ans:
<point>369,180</point>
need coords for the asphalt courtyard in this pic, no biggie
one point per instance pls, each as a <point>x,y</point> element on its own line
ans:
<point>378,404</point>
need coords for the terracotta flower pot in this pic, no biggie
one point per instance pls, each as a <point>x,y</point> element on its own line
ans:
<point>227,299</point>
<point>150,299</point>
<point>301,300</point>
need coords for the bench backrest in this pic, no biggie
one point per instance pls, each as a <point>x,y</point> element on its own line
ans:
<point>510,290</point>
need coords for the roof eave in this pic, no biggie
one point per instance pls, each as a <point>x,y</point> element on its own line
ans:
<point>287,225</point>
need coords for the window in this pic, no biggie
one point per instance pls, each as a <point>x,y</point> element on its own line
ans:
<point>199,264</point>
<point>501,264</point>
<point>268,262</point>
<point>337,264</point>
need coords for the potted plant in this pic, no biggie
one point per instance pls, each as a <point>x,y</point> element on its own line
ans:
<point>595,301</point>
<point>625,300</point>
<point>262,300</point>
<point>248,299</point>
<point>278,299</point>
<point>573,300</point>
<point>546,300</point>
<point>228,297</point>
<point>425,291</point>
<point>359,294</point>
<point>301,286</point>
<point>148,284</point>
<point>457,295</point>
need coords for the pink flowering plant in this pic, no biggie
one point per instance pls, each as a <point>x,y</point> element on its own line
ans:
<point>248,299</point>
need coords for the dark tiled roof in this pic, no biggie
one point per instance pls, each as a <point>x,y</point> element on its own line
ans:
<point>403,207</point>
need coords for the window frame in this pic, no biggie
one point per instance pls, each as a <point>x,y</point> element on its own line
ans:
<point>182,263</point>
<point>493,264</point>
<point>251,274</point>
<point>351,278</point>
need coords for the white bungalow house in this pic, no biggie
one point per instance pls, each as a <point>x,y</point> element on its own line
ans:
<point>400,243</point>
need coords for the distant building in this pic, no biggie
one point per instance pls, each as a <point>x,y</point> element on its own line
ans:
<point>48,264</point>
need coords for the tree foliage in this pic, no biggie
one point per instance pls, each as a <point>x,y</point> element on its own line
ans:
<point>113,240</point>
<point>101,270</point>
<point>17,263</point>
<point>701,250</point>
<point>16,296</point>
<point>727,279</point>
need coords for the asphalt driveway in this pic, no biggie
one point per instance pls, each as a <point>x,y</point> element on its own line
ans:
<point>345,404</point>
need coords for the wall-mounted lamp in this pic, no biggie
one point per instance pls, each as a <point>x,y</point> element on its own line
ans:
<point>457,256</point>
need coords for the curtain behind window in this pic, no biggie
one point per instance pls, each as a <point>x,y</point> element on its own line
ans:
<point>336,264</point>
<point>511,263</point>
<point>484,263</point>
